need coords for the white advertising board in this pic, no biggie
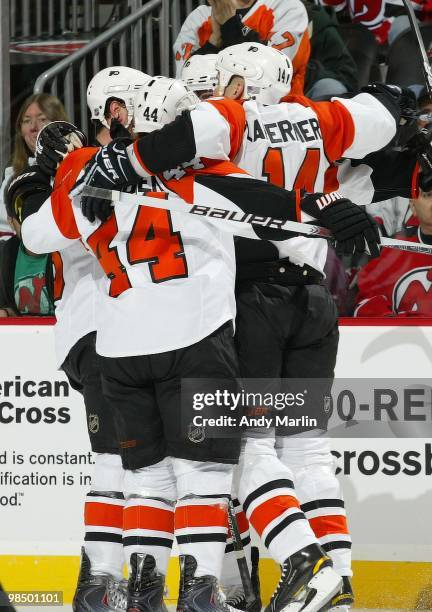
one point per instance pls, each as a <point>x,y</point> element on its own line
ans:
<point>46,464</point>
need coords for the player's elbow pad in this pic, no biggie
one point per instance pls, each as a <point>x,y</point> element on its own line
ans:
<point>168,147</point>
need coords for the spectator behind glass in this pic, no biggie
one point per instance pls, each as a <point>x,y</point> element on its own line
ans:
<point>279,23</point>
<point>37,111</point>
<point>399,283</point>
<point>331,70</point>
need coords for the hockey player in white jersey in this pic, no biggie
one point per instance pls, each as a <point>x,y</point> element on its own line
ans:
<point>124,334</point>
<point>142,156</point>
<point>292,144</point>
<point>110,97</point>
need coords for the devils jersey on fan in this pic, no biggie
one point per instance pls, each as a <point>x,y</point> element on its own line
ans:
<point>377,15</point>
<point>280,23</point>
<point>398,283</point>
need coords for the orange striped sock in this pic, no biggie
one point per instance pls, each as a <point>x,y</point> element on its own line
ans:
<point>103,519</point>
<point>201,528</point>
<point>148,527</point>
<point>274,512</point>
<point>327,517</point>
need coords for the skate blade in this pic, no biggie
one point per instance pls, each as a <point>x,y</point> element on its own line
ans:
<point>326,584</point>
<point>339,609</point>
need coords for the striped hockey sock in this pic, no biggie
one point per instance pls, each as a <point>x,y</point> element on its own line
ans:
<point>327,518</point>
<point>320,495</point>
<point>274,512</point>
<point>148,527</point>
<point>201,528</point>
<point>103,518</point>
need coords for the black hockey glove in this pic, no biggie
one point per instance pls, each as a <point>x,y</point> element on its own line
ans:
<point>24,190</point>
<point>421,145</point>
<point>353,229</point>
<point>109,169</point>
<point>54,142</point>
<point>400,101</point>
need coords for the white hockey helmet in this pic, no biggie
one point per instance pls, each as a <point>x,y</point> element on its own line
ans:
<point>118,82</point>
<point>200,75</point>
<point>159,102</point>
<point>266,71</point>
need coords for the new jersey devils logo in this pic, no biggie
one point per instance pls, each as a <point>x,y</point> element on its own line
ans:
<point>413,293</point>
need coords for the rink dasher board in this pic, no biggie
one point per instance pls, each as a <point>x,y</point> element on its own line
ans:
<point>365,351</point>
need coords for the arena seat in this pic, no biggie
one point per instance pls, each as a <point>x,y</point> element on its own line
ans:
<point>404,62</point>
<point>363,47</point>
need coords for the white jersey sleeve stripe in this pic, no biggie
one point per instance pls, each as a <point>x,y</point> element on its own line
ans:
<point>41,234</point>
<point>373,130</point>
<point>212,132</point>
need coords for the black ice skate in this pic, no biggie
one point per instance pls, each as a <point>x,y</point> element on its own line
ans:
<point>343,600</point>
<point>91,591</point>
<point>235,596</point>
<point>5,605</point>
<point>145,586</point>
<point>308,582</point>
<point>199,594</point>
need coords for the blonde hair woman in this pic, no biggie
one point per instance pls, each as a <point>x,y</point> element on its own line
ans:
<point>36,111</point>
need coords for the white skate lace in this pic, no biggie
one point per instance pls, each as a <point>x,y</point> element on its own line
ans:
<point>117,595</point>
<point>285,572</point>
<point>223,600</point>
<point>234,594</point>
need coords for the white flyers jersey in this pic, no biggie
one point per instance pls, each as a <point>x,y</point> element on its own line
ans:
<point>281,24</point>
<point>292,145</point>
<point>169,279</point>
<point>76,294</point>
<point>76,279</point>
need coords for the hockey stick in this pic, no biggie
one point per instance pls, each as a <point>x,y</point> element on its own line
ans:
<point>427,72</point>
<point>245,576</point>
<point>238,222</point>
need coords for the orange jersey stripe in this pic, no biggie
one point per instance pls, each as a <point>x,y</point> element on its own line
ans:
<point>147,517</point>
<point>300,62</point>
<point>204,32</point>
<point>266,512</point>
<point>242,522</point>
<point>308,171</point>
<point>298,205</point>
<point>326,525</point>
<point>183,187</point>
<point>63,213</point>
<point>65,178</point>
<point>336,124</point>
<point>201,516</point>
<point>262,21</point>
<point>103,515</point>
<point>233,112</point>
<point>160,195</point>
<point>331,182</point>
<point>222,168</point>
